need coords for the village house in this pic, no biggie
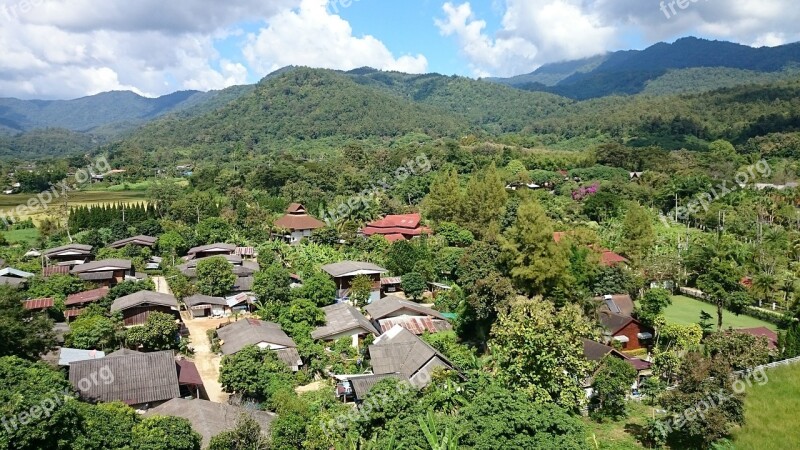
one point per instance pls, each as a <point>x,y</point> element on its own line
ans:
<point>136,241</point>
<point>264,335</point>
<point>68,255</point>
<point>627,331</point>
<point>68,356</point>
<point>206,306</point>
<point>343,321</point>
<point>210,419</point>
<point>616,304</point>
<point>596,352</point>
<point>136,308</point>
<point>205,251</point>
<point>108,272</point>
<point>298,223</point>
<point>392,311</point>
<point>14,278</point>
<point>344,272</point>
<point>401,352</point>
<point>39,304</point>
<point>397,227</point>
<point>85,298</point>
<point>243,269</point>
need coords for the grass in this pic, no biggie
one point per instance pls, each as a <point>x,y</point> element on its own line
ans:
<point>25,237</point>
<point>8,203</point>
<point>771,411</point>
<point>618,435</point>
<point>686,311</point>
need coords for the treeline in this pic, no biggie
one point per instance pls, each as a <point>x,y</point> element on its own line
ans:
<point>105,216</point>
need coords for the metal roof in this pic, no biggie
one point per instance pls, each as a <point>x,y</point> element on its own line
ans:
<point>345,268</point>
<point>341,318</point>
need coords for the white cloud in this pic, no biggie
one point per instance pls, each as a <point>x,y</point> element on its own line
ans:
<point>535,32</point>
<point>313,36</point>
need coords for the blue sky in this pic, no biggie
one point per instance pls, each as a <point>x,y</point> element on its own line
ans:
<point>55,49</point>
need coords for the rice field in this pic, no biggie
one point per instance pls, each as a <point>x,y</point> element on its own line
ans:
<point>9,204</point>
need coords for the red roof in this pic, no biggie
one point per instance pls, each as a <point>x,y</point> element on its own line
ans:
<point>87,297</point>
<point>609,258</point>
<point>188,374</point>
<point>771,336</point>
<point>49,271</point>
<point>559,235</point>
<point>405,221</point>
<point>70,313</point>
<point>295,208</point>
<point>38,304</point>
<point>394,237</point>
<point>298,219</point>
<point>397,227</point>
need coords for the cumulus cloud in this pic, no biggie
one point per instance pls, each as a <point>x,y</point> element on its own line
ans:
<point>535,32</point>
<point>314,36</point>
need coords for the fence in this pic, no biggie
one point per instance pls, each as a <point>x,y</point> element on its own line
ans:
<point>772,365</point>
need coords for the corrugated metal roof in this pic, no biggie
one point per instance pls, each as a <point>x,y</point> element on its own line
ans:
<point>39,303</point>
<point>341,318</point>
<point>87,296</point>
<point>68,356</point>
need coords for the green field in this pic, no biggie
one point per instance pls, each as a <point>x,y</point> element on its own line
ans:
<point>25,237</point>
<point>771,410</point>
<point>9,203</point>
<point>686,311</point>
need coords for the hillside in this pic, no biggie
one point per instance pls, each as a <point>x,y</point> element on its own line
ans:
<point>631,72</point>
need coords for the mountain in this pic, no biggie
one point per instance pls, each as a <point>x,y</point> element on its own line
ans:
<point>687,65</point>
<point>120,110</point>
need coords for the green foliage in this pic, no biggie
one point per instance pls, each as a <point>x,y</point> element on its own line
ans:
<point>246,436</point>
<point>414,285</point>
<point>653,304</point>
<point>741,351</point>
<point>271,284</point>
<point>94,331</point>
<point>319,288</point>
<point>105,425</point>
<point>612,383</point>
<point>160,332</point>
<point>22,333</point>
<point>164,433</point>
<point>360,290</point>
<point>789,341</point>
<point>540,351</point>
<point>637,229</point>
<point>454,235</point>
<point>255,373</point>
<point>215,277</point>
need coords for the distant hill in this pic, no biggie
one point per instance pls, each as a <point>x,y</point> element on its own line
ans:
<point>671,68</point>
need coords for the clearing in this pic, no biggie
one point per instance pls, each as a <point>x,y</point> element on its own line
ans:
<point>770,410</point>
<point>686,311</point>
<point>8,203</point>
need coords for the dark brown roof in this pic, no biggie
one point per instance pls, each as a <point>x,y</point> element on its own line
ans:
<point>390,305</point>
<point>362,384</point>
<point>400,351</point>
<point>615,322</point>
<point>96,276</point>
<point>239,335</point>
<point>144,298</point>
<point>141,240</point>
<point>87,297</point>
<point>595,351</point>
<point>188,374</point>
<point>199,299</point>
<point>78,249</point>
<point>299,221</point>
<point>132,379</point>
<point>39,304</point>
<point>210,419</point>
<point>105,265</point>
<point>50,271</point>
<point>621,304</point>
<point>219,246</point>
<point>342,318</point>
<point>296,208</point>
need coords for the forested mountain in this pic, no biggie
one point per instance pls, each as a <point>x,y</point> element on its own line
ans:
<point>118,109</point>
<point>46,142</point>
<point>663,64</point>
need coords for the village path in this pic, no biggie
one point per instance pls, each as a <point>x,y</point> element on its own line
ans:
<point>207,362</point>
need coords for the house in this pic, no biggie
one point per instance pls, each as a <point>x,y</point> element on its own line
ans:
<point>108,272</point>
<point>189,380</point>
<point>298,223</point>
<point>136,308</point>
<point>356,387</point>
<point>206,306</point>
<point>51,271</point>
<point>39,304</point>
<point>762,332</point>
<point>140,380</point>
<point>210,419</point>
<point>397,227</point>
<point>617,304</point>
<point>205,251</point>
<point>392,311</point>
<point>68,255</point>
<point>264,335</point>
<point>85,298</point>
<point>399,351</point>
<point>241,268</point>
<point>626,330</point>
<point>344,272</point>
<point>635,176</point>
<point>67,356</point>
<point>596,352</point>
<point>16,279</point>
<point>607,257</point>
<point>343,321</point>
<point>390,285</point>
<point>136,241</point>
<point>246,252</point>
<point>242,302</point>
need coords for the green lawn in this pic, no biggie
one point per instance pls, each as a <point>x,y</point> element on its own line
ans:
<point>685,311</point>
<point>619,435</point>
<point>24,237</point>
<point>771,412</point>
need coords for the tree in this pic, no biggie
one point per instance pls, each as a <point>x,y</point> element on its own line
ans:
<point>454,235</point>
<point>361,290</point>
<point>246,436</point>
<point>638,235</point>
<point>537,264</point>
<point>165,433</point>
<point>215,276</point>
<point>540,351</point>
<point>255,373</point>
<point>413,285</point>
<point>160,332</point>
<point>319,288</point>
<point>444,202</point>
<point>271,284</point>
<point>105,425</point>
<point>93,332</point>
<point>485,200</point>
<point>612,382</point>
<point>789,341</point>
<point>172,243</point>
<point>489,295</point>
<point>741,351</point>
<point>718,282</point>
<point>22,333</point>
<point>497,417</point>
<point>653,304</point>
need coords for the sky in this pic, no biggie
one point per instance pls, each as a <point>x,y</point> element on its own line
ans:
<point>63,49</point>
